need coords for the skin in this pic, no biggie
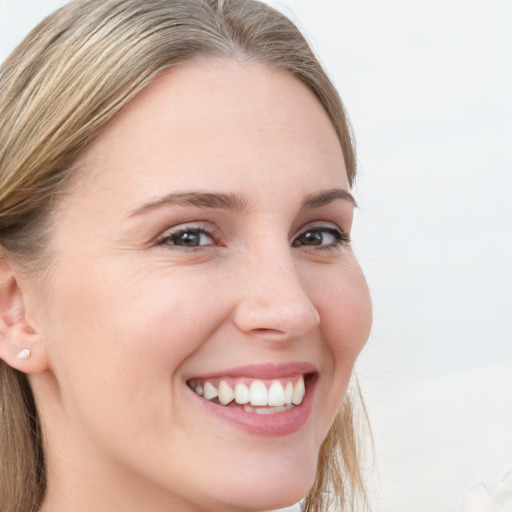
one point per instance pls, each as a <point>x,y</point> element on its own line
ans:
<point>126,315</point>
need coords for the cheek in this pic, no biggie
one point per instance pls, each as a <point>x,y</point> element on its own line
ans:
<point>125,328</point>
<point>350,320</point>
<point>117,348</point>
<point>345,319</point>
<point>344,304</point>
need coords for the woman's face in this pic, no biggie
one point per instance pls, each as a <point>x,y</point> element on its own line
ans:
<point>202,248</point>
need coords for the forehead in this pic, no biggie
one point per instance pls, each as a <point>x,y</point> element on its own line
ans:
<point>216,120</point>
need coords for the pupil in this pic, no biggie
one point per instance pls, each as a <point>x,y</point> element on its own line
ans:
<point>313,238</point>
<point>189,239</point>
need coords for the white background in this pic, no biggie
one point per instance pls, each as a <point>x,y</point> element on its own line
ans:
<point>428,86</point>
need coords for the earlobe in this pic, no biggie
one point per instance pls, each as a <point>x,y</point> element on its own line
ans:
<point>21,346</point>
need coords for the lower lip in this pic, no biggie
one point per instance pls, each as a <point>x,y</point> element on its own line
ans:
<point>277,424</point>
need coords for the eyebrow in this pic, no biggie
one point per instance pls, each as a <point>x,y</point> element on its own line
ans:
<point>327,196</point>
<point>236,202</point>
<point>199,199</point>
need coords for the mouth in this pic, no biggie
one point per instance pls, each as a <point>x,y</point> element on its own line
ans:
<point>263,399</point>
<point>253,395</point>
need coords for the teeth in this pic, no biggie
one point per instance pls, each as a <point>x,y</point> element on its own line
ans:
<point>268,410</point>
<point>276,394</point>
<point>210,391</point>
<point>276,398</point>
<point>288,393</point>
<point>259,393</point>
<point>298,391</point>
<point>242,395</point>
<point>226,394</point>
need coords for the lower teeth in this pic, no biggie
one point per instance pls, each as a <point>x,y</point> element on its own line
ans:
<point>268,409</point>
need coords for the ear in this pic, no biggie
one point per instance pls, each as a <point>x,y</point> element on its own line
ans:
<point>21,346</point>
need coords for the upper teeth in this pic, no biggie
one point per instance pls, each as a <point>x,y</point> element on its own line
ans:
<point>257,393</point>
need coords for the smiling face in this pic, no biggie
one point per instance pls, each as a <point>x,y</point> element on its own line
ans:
<point>203,248</point>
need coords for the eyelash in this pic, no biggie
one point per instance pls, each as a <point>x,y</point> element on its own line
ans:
<point>174,234</point>
<point>340,238</point>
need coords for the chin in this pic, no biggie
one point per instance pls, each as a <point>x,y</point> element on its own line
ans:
<point>269,484</point>
<point>259,497</point>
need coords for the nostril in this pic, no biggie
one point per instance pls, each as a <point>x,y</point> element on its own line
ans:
<point>269,334</point>
<point>263,330</point>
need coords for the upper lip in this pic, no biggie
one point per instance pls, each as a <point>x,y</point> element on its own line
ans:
<point>263,371</point>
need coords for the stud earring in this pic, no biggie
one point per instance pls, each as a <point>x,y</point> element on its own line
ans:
<point>24,354</point>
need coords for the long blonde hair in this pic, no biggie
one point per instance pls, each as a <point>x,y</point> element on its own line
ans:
<point>58,89</point>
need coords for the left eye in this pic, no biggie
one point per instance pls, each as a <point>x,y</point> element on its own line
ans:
<point>188,237</point>
<point>321,236</point>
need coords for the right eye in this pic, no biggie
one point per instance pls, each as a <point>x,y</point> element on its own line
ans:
<point>187,237</point>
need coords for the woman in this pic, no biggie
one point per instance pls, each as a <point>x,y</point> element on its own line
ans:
<point>180,306</point>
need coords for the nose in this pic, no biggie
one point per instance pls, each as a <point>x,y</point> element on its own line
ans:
<point>273,301</point>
